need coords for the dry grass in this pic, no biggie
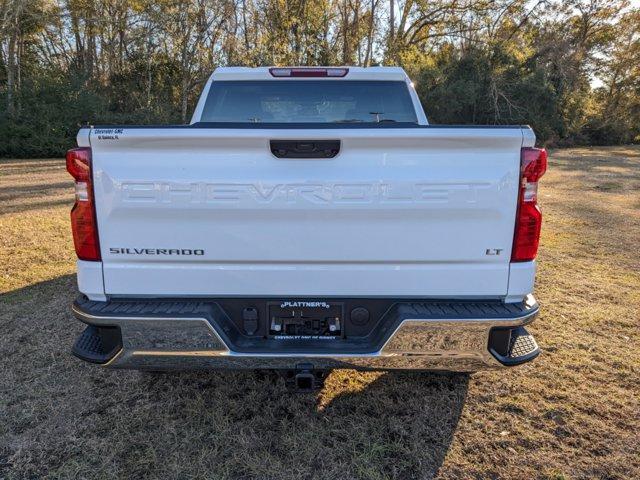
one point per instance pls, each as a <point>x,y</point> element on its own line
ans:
<point>574,413</point>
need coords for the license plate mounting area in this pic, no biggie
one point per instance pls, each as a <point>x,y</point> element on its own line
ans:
<point>306,320</point>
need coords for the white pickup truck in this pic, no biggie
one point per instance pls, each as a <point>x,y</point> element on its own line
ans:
<point>306,219</point>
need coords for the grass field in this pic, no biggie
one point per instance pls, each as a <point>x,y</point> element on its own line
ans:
<point>574,413</point>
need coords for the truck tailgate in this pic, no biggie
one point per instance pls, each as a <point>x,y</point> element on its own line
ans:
<point>411,212</point>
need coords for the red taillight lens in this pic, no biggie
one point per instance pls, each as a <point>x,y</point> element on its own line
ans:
<point>83,216</point>
<point>533,164</point>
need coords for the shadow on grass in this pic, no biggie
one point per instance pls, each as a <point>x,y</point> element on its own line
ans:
<point>67,418</point>
<point>590,162</point>
<point>38,189</point>
<point>36,206</point>
<point>399,424</point>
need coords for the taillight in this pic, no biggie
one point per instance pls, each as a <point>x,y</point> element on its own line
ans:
<point>533,164</point>
<point>308,72</point>
<point>83,213</point>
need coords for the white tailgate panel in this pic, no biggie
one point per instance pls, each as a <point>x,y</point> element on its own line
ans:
<point>399,212</point>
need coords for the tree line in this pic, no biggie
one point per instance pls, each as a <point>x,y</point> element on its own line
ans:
<point>569,69</point>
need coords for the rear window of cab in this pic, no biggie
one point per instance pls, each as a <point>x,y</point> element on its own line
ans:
<point>309,101</point>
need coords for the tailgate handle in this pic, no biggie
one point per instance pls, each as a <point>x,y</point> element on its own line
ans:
<point>305,148</point>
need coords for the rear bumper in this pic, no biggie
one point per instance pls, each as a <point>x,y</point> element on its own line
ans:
<point>157,335</point>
